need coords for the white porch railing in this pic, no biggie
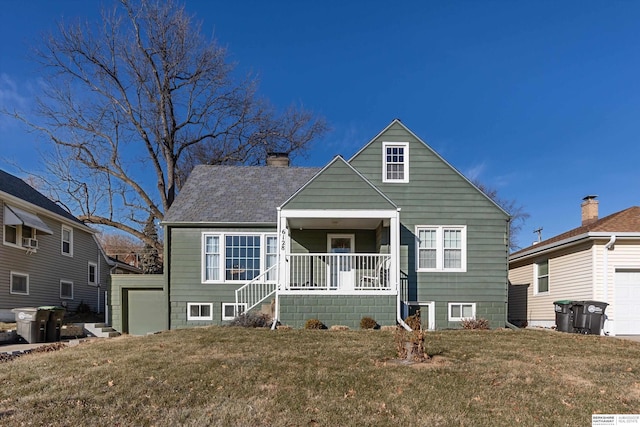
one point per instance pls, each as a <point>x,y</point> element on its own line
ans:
<point>338,272</point>
<point>257,290</point>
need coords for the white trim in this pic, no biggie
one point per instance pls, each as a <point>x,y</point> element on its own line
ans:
<point>95,275</point>
<point>222,254</point>
<point>431,321</point>
<point>338,292</point>
<point>405,162</point>
<point>68,282</point>
<point>235,310</point>
<point>62,241</point>
<point>439,229</point>
<point>536,276</point>
<point>459,319</point>
<point>339,213</point>
<point>335,159</point>
<point>349,281</point>
<point>16,273</point>
<point>200,317</point>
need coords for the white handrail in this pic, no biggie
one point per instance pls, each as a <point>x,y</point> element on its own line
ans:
<point>339,271</point>
<point>257,290</point>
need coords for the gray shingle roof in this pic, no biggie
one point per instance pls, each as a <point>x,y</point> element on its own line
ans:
<point>18,188</point>
<point>236,194</point>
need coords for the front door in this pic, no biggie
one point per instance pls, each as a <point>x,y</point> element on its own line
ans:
<point>341,273</point>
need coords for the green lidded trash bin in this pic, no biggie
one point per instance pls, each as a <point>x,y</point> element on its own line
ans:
<point>589,317</point>
<point>31,323</point>
<point>54,325</point>
<point>564,315</point>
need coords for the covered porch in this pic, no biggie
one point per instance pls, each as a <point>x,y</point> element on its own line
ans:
<point>338,251</point>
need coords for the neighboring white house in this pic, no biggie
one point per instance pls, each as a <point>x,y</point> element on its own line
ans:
<point>599,261</point>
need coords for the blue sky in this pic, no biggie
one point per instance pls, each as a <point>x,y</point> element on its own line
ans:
<point>538,99</point>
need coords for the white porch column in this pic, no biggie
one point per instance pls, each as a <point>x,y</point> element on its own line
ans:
<point>394,240</point>
<point>284,245</point>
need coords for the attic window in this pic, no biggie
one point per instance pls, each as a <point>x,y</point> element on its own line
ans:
<point>395,162</point>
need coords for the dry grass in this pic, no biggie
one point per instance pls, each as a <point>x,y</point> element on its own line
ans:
<point>255,377</point>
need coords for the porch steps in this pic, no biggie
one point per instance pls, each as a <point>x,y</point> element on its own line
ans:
<point>100,330</point>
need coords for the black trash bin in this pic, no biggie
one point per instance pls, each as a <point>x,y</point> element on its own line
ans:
<point>31,324</point>
<point>589,316</point>
<point>564,315</point>
<point>54,325</point>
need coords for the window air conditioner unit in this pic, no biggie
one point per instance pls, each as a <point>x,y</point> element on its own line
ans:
<point>30,243</point>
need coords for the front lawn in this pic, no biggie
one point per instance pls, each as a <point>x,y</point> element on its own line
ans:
<point>255,377</point>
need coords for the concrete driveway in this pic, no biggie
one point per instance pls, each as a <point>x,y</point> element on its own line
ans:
<point>629,337</point>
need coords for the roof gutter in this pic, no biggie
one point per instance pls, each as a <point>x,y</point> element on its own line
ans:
<point>539,249</point>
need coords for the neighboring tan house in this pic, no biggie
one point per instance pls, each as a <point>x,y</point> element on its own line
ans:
<point>392,230</point>
<point>598,261</point>
<point>47,256</point>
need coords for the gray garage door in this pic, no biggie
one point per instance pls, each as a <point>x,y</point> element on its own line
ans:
<point>146,310</point>
<point>627,315</point>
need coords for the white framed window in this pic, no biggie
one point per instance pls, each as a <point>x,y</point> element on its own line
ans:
<point>15,235</point>
<point>230,310</point>
<point>67,241</point>
<point>541,279</point>
<point>459,311</point>
<point>199,311</point>
<point>271,255</point>
<point>11,234</point>
<point>19,283</point>
<point>441,248</point>
<point>238,257</point>
<point>395,162</point>
<point>92,274</point>
<point>66,289</point>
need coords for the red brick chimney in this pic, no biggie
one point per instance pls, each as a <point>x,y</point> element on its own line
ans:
<point>589,210</point>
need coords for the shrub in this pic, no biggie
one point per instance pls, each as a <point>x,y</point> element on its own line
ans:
<point>475,323</point>
<point>414,322</point>
<point>314,324</point>
<point>252,320</point>
<point>368,323</point>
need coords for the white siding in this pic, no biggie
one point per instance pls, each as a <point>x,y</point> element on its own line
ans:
<point>624,256</point>
<point>570,277</point>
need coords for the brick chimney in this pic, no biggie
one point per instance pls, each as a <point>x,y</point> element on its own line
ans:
<point>589,210</point>
<point>279,160</point>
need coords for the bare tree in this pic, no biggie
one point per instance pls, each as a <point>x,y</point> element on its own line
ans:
<point>133,103</point>
<point>517,212</point>
<point>122,247</point>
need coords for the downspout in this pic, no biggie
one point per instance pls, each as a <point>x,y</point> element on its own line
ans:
<point>395,253</point>
<point>399,314</point>
<point>605,273</point>
<point>281,249</point>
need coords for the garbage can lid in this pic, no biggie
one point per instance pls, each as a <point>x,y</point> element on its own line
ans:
<point>51,307</point>
<point>563,302</point>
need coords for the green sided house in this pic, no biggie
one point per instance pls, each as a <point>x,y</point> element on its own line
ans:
<point>392,230</point>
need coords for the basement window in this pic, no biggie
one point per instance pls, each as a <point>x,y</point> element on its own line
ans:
<point>231,311</point>
<point>458,311</point>
<point>199,311</point>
